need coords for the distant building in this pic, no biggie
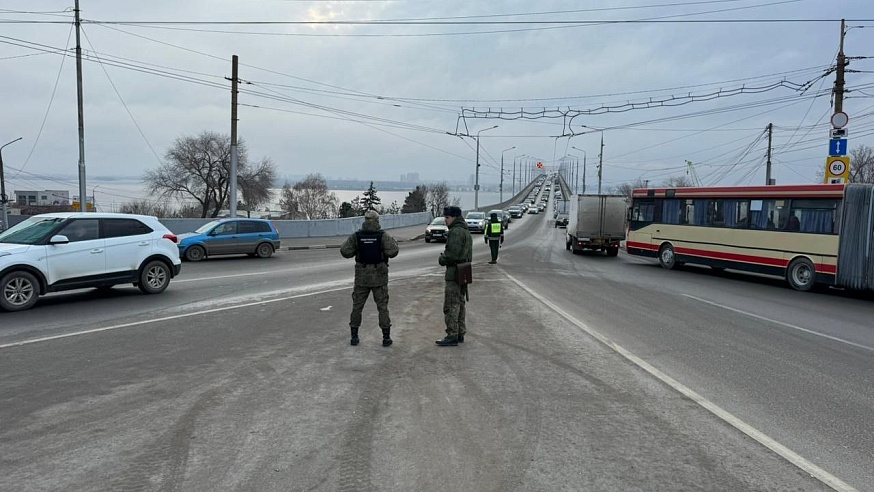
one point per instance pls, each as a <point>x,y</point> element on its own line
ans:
<point>42,198</point>
<point>410,178</point>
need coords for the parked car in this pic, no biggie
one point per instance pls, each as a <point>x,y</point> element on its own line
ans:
<point>561,220</point>
<point>254,237</point>
<point>74,250</point>
<point>436,230</point>
<point>476,221</point>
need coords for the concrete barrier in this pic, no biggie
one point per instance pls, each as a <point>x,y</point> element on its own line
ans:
<point>314,228</point>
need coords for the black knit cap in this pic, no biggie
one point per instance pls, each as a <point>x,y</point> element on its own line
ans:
<point>451,212</point>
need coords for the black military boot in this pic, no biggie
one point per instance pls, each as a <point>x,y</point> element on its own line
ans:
<point>354,340</point>
<point>447,341</point>
<point>460,338</point>
<point>386,337</point>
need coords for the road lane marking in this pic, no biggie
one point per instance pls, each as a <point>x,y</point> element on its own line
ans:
<point>168,318</point>
<point>784,452</point>
<point>413,273</point>
<point>781,323</point>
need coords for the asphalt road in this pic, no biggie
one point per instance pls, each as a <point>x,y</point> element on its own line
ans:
<point>579,372</point>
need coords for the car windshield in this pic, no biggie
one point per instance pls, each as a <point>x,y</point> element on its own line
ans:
<point>31,231</point>
<point>206,227</point>
<point>438,221</point>
<point>499,212</point>
<point>476,215</point>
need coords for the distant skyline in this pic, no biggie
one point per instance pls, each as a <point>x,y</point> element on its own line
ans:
<point>662,83</point>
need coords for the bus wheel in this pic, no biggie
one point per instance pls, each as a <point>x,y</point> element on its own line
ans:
<point>667,258</point>
<point>801,274</point>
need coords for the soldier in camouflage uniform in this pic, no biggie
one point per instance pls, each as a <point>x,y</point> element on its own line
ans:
<point>371,247</point>
<point>459,248</point>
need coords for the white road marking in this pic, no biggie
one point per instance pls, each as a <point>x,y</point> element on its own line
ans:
<point>167,318</point>
<point>784,452</point>
<point>413,273</point>
<point>326,308</point>
<point>787,325</point>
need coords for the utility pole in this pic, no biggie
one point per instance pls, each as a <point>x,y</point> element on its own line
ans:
<point>839,80</point>
<point>3,198</point>
<point>501,186</point>
<point>81,103</point>
<point>232,195</point>
<point>600,162</point>
<point>476,184</point>
<point>768,166</point>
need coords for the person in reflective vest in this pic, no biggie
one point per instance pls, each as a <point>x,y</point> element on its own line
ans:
<point>494,236</point>
<point>371,247</point>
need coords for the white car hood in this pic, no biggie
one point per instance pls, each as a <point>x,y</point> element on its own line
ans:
<point>12,248</point>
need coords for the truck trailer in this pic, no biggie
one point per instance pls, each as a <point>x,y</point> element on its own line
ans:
<point>596,222</point>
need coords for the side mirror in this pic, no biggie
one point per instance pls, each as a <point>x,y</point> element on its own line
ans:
<point>628,215</point>
<point>59,239</point>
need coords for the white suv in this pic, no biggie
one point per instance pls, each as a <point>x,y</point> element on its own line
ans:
<point>74,250</point>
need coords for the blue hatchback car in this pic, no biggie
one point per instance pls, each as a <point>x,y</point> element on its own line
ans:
<point>254,237</point>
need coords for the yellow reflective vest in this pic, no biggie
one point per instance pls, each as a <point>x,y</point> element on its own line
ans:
<point>495,227</point>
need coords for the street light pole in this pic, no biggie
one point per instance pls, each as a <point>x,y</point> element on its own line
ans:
<point>501,185</point>
<point>3,197</point>
<point>584,171</point>
<point>476,184</point>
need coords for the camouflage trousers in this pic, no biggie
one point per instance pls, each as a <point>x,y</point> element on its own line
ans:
<point>359,298</point>
<point>454,308</point>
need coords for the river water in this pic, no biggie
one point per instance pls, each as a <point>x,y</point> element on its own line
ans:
<point>111,195</point>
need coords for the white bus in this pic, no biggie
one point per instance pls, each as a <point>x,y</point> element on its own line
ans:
<point>806,234</point>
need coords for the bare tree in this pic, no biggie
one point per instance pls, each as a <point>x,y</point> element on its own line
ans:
<point>862,165</point>
<point>627,188</point>
<point>145,207</point>
<point>255,185</point>
<point>678,182</point>
<point>437,197</point>
<point>308,199</point>
<point>198,168</point>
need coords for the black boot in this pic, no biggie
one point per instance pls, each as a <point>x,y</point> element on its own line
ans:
<point>460,338</point>
<point>354,340</point>
<point>447,341</point>
<point>386,337</point>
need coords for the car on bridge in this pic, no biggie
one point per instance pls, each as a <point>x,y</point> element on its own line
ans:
<point>476,221</point>
<point>436,230</point>
<point>76,250</point>
<point>253,237</point>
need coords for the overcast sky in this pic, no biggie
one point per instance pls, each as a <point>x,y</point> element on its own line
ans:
<point>371,100</point>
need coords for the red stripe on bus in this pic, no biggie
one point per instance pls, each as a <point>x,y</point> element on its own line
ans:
<point>632,244</point>
<point>760,260</point>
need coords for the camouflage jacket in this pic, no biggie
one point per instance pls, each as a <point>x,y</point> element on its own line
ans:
<point>459,248</point>
<point>370,275</point>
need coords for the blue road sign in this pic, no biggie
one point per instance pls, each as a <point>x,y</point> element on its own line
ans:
<point>837,147</point>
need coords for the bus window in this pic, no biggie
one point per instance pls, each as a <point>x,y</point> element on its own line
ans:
<point>816,216</point>
<point>671,211</point>
<point>769,214</point>
<point>737,213</point>
<point>716,213</point>
<point>643,211</point>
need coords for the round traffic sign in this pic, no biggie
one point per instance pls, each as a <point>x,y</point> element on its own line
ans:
<point>840,119</point>
<point>836,167</point>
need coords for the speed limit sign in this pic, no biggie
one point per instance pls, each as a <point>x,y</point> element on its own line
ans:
<point>837,167</point>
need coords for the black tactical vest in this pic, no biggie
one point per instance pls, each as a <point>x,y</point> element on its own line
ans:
<point>370,248</point>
